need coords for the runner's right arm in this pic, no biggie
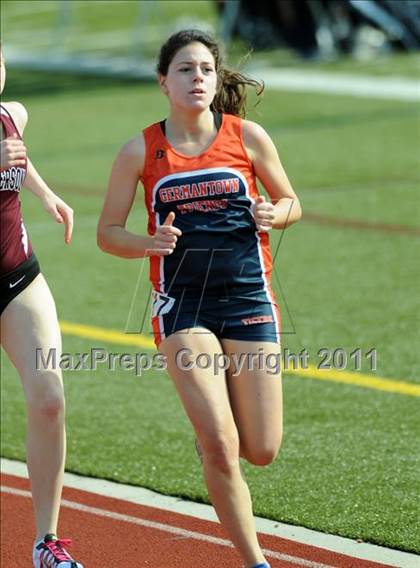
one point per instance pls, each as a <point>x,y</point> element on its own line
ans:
<point>112,235</point>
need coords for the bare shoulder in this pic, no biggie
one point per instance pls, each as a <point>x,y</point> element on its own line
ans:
<point>134,148</point>
<point>18,113</point>
<point>255,138</point>
<point>131,156</point>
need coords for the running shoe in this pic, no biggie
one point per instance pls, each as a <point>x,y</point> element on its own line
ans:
<point>51,553</point>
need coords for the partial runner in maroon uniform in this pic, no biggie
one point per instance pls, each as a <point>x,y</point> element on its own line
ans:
<point>18,263</point>
<point>28,322</point>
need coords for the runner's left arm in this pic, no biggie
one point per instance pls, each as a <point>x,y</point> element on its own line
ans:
<point>283,208</point>
<point>54,205</point>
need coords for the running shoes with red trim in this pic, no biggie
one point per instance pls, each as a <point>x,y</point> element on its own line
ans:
<point>51,553</point>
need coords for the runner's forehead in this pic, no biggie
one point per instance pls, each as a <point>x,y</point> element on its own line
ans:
<point>193,53</point>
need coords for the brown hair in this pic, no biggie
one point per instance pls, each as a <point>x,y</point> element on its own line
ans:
<point>232,86</point>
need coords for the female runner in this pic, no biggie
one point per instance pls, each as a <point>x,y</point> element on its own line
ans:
<point>29,322</point>
<point>210,265</point>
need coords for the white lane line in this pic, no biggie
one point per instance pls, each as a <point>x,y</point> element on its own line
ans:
<point>302,80</point>
<point>166,528</point>
<point>142,496</point>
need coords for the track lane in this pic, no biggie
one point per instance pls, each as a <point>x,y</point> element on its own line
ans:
<point>113,533</point>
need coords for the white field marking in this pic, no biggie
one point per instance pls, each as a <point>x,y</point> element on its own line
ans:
<point>294,80</point>
<point>141,496</point>
<point>166,528</point>
<point>393,88</point>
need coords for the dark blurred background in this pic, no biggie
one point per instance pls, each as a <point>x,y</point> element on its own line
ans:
<point>324,28</point>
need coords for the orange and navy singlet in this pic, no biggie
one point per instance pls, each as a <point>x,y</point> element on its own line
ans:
<point>18,264</point>
<point>220,259</point>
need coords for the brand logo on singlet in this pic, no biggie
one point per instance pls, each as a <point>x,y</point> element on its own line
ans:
<point>159,154</point>
<point>12,179</point>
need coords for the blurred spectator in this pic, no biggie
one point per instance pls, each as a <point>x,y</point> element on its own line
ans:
<point>323,28</point>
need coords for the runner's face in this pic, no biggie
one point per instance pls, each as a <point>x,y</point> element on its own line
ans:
<point>191,80</point>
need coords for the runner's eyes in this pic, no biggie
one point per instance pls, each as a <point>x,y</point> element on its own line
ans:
<point>206,69</point>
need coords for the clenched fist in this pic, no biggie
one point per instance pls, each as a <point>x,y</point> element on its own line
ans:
<point>263,212</point>
<point>166,237</point>
<point>13,152</point>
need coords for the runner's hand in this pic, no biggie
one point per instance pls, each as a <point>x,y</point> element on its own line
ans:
<point>13,152</point>
<point>61,212</point>
<point>165,238</point>
<point>263,212</point>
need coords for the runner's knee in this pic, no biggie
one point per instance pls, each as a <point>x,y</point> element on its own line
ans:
<point>46,398</point>
<point>261,454</point>
<point>220,451</point>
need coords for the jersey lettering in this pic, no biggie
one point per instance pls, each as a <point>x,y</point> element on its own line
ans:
<point>11,179</point>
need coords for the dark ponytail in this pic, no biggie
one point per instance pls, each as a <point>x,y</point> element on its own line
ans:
<point>232,92</point>
<point>232,86</point>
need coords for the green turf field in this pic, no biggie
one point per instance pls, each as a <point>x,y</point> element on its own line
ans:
<point>350,460</point>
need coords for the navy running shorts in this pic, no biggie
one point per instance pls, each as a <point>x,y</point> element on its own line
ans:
<point>243,314</point>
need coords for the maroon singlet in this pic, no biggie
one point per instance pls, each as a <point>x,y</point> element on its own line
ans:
<point>15,247</point>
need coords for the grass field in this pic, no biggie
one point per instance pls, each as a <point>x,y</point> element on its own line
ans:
<point>350,459</point>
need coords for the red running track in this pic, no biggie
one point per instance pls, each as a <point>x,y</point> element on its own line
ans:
<point>112,533</point>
